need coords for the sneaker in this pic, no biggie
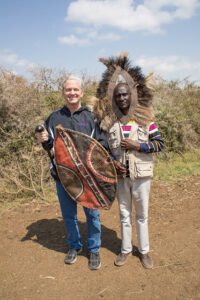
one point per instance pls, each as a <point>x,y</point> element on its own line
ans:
<point>146,261</point>
<point>94,261</point>
<point>121,259</point>
<point>71,256</point>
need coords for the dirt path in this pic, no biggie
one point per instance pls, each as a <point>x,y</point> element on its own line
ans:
<point>32,247</point>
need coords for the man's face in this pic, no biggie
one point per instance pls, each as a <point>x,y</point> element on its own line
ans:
<point>122,97</point>
<point>72,92</point>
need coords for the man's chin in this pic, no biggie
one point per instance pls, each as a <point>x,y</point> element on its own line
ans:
<point>73,101</point>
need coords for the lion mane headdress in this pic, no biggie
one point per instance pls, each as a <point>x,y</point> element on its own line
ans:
<point>119,70</point>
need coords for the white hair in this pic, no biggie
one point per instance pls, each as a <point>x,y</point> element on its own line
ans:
<point>75,78</point>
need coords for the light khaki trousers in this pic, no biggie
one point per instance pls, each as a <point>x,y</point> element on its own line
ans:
<point>134,192</point>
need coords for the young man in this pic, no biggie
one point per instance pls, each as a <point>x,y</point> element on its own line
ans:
<point>132,138</point>
<point>76,117</point>
<point>134,165</point>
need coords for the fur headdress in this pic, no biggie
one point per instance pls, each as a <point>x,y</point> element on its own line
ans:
<point>119,70</point>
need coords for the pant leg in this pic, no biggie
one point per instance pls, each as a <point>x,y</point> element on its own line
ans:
<point>125,208</point>
<point>93,229</point>
<point>140,192</point>
<point>69,212</point>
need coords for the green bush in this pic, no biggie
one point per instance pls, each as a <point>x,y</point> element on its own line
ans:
<point>177,114</point>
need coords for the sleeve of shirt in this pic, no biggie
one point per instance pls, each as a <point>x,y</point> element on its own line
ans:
<point>155,142</point>
<point>101,137</point>
<point>48,144</point>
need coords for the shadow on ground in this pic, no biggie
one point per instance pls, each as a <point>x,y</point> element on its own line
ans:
<point>50,233</point>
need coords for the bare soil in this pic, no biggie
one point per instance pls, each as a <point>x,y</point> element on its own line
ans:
<point>32,249</point>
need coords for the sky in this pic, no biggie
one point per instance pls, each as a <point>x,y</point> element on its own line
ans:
<point>160,36</point>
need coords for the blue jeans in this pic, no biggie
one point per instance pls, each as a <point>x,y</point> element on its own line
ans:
<point>69,213</point>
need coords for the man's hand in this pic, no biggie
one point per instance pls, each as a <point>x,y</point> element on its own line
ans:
<point>128,144</point>
<point>42,136</point>
<point>121,170</point>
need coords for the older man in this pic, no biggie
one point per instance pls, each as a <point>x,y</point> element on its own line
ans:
<point>76,117</point>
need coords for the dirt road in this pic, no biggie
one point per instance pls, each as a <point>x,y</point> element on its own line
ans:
<point>32,247</point>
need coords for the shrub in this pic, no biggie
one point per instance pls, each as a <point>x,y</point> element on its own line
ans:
<point>24,104</point>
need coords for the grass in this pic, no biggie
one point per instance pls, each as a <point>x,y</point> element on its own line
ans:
<point>175,166</point>
<point>6,203</point>
<point>168,167</point>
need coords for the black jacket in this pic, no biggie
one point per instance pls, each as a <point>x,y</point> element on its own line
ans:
<point>81,120</point>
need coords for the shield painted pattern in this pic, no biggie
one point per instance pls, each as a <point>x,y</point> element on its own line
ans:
<point>85,169</point>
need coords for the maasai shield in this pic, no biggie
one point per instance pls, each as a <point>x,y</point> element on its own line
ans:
<point>85,169</point>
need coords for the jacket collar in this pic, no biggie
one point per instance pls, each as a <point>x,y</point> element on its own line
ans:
<point>67,111</point>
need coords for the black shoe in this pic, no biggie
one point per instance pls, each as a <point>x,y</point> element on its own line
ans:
<point>71,256</point>
<point>94,261</point>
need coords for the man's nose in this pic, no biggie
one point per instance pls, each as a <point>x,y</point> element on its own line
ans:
<point>73,92</point>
